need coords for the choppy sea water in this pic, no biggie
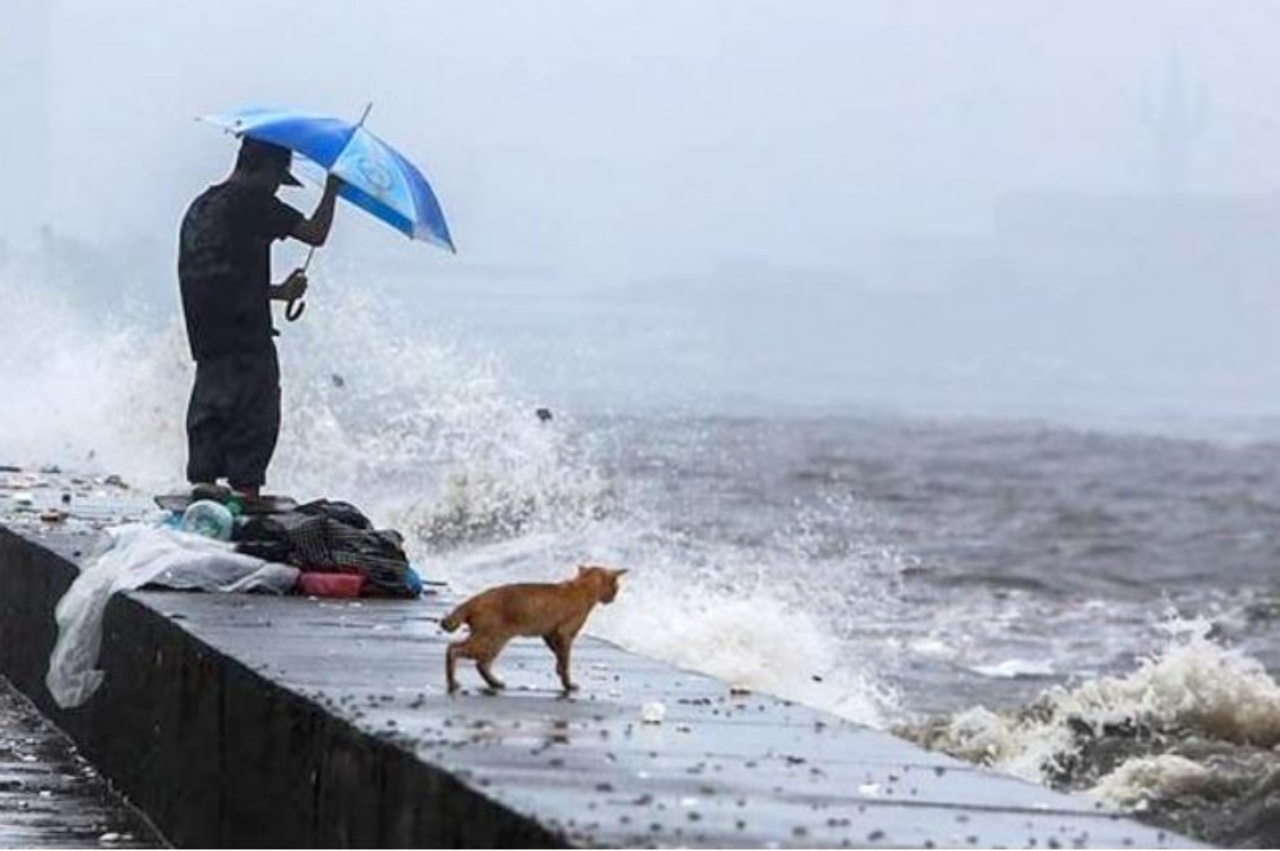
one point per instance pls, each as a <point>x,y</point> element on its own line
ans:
<point>1091,609</point>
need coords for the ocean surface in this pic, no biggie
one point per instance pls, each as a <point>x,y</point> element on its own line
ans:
<point>1093,608</point>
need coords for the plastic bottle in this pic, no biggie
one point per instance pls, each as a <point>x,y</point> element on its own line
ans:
<point>208,518</point>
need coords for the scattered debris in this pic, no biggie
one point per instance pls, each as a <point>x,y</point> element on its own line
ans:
<point>653,712</point>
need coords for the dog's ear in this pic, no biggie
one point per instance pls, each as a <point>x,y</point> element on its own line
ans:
<point>619,572</point>
<point>582,569</point>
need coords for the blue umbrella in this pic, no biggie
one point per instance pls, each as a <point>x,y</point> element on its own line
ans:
<point>375,176</point>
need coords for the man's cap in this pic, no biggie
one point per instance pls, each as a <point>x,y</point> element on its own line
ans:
<point>257,155</point>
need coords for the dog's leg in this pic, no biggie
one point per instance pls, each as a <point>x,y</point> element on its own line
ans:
<point>450,663</point>
<point>560,645</point>
<point>484,656</point>
<point>494,682</point>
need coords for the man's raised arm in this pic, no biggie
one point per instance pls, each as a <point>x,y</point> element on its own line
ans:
<point>315,230</point>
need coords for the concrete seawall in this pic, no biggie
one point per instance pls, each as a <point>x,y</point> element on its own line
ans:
<point>236,720</point>
<point>218,754</point>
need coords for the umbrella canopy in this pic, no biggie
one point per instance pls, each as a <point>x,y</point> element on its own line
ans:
<point>375,176</point>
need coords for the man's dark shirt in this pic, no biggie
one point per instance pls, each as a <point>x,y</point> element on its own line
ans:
<point>224,268</point>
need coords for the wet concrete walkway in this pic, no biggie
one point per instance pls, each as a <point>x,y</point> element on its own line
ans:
<point>299,721</point>
<point>721,769</point>
<point>50,797</point>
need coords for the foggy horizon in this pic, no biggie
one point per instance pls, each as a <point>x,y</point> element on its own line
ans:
<point>976,208</point>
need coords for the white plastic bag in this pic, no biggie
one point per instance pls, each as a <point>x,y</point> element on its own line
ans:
<point>134,555</point>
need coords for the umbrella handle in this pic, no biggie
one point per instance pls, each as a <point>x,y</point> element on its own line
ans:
<point>294,307</point>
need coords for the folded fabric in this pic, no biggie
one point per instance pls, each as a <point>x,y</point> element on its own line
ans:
<point>330,584</point>
<point>134,555</point>
<point>330,536</point>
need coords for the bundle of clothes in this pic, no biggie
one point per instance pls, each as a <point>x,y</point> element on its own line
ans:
<point>328,541</point>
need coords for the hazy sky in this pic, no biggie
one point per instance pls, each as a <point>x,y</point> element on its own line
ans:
<point>605,143</point>
<point>608,132</point>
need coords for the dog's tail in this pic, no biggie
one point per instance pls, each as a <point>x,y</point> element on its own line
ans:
<point>455,619</point>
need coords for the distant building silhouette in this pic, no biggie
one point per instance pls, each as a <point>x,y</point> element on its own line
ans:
<point>1175,117</point>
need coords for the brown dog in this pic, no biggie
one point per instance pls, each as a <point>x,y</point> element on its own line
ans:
<point>553,611</point>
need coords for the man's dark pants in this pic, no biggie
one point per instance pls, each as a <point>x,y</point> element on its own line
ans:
<point>233,419</point>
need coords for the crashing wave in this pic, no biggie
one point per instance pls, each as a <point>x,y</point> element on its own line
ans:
<point>1190,739</point>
